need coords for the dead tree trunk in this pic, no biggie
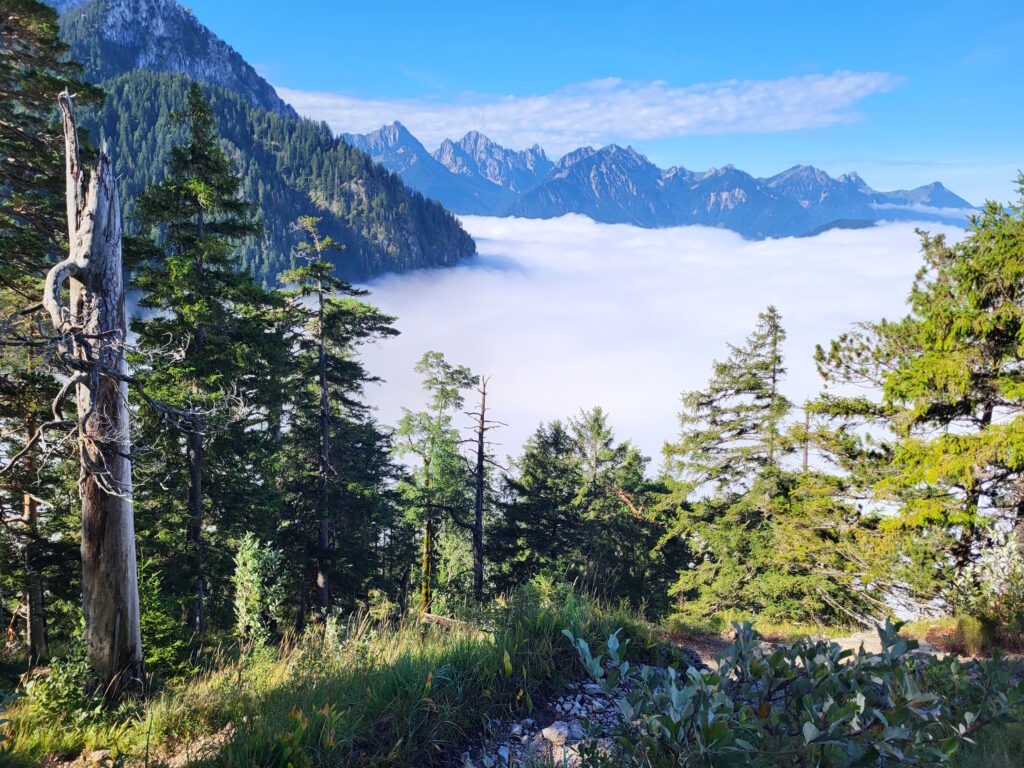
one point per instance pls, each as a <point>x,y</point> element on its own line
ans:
<point>95,332</point>
<point>478,502</point>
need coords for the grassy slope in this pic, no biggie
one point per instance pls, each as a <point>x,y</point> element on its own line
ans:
<point>401,695</point>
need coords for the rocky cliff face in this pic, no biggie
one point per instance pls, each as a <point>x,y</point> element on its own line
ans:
<point>111,37</point>
<point>477,156</point>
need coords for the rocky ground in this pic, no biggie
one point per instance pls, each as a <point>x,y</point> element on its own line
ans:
<point>586,714</point>
<point>554,734</point>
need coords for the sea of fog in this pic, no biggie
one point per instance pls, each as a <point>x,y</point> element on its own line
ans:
<point>568,313</point>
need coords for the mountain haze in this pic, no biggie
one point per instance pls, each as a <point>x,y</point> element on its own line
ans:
<point>619,185</point>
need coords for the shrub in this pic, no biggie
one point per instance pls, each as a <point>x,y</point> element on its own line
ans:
<point>258,591</point>
<point>808,704</point>
<point>993,590</point>
<point>67,693</point>
<point>165,640</point>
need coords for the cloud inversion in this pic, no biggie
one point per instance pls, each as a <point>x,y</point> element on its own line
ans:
<point>610,109</point>
<point>569,313</point>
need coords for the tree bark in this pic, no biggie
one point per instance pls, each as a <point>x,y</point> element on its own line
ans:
<point>35,624</point>
<point>95,327</point>
<point>323,539</point>
<point>478,504</point>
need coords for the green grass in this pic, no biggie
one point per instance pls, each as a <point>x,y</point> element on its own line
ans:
<point>403,695</point>
<point>1001,746</point>
<point>721,623</point>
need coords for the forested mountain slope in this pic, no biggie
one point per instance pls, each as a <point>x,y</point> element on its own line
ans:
<point>145,52</point>
<point>290,167</point>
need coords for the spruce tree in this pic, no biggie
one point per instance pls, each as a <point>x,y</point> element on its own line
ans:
<point>732,429</point>
<point>765,539</point>
<point>207,346</point>
<point>329,423</point>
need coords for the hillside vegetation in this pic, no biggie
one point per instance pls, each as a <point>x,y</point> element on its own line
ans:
<point>212,549</point>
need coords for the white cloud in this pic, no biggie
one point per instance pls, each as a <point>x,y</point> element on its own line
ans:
<point>602,111</point>
<point>569,313</point>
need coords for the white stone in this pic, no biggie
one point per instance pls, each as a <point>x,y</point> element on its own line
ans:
<point>556,733</point>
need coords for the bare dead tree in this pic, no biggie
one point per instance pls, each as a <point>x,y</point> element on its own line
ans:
<point>93,333</point>
<point>476,528</point>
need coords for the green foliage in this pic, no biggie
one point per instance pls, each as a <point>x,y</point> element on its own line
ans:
<point>67,692</point>
<point>33,70</point>
<point>208,348</point>
<point>732,430</point>
<point>577,504</point>
<point>992,589</point>
<point>34,541</point>
<point>289,167</point>
<point>949,390</point>
<point>334,452</point>
<point>765,540</point>
<point>396,694</point>
<point>440,485</point>
<point>808,704</point>
<point>165,638</point>
<point>258,592</point>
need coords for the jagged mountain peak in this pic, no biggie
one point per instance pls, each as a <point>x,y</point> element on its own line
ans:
<point>115,36</point>
<point>614,183</point>
<point>852,178</point>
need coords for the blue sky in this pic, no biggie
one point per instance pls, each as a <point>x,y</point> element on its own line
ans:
<point>904,93</point>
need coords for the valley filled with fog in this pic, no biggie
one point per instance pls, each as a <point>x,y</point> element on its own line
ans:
<point>565,313</point>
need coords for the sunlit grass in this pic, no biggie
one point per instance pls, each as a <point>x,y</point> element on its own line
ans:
<point>360,692</point>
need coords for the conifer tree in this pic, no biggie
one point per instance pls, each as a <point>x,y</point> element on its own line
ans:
<point>946,395</point>
<point>577,506</point>
<point>442,478</point>
<point>732,429</point>
<point>764,539</point>
<point>206,347</point>
<point>326,412</point>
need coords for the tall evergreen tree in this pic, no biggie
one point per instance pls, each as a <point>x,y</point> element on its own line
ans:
<point>327,417</point>
<point>577,505</point>
<point>208,347</point>
<point>731,430</point>
<point>765,539</point>
<point>946,395</point>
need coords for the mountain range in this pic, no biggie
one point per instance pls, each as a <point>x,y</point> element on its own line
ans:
<point>145,53</point>
<point>298,167</point>
<point>619,185</point>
